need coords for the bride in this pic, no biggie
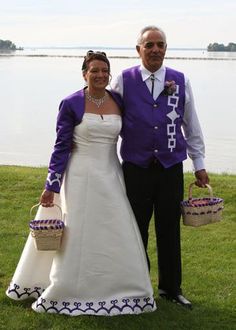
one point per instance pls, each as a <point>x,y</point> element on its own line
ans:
<point>101,267</point>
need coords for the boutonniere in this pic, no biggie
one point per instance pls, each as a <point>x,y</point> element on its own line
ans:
<point>169,87</point>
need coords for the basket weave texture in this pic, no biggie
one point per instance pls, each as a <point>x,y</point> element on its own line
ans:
<point>47,232</point>
<point>201,211</point>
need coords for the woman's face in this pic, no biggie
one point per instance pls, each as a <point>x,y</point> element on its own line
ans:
<point>97,75</point>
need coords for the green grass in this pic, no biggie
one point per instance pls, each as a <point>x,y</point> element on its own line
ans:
<point>208,255</point>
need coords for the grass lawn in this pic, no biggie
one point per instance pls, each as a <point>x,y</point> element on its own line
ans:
<point>208,255</point>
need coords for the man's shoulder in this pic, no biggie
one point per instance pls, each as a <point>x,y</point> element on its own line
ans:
<point>131,69</point>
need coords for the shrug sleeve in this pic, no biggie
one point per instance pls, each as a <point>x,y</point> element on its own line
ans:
<point>65,126</point>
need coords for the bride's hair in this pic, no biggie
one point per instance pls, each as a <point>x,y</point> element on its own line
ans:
<point>91,55</point>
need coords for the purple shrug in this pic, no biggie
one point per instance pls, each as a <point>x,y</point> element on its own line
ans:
<point>71,111</point>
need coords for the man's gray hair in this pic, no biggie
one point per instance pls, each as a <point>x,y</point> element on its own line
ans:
<point>149,28</point>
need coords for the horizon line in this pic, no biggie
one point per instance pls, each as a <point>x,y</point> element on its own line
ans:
<point>106,47</point>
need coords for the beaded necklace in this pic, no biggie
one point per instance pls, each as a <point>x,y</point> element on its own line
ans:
<point>97,101</point>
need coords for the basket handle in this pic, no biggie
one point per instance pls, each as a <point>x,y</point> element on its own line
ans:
<point>190,196</point>
<point>36,205</point>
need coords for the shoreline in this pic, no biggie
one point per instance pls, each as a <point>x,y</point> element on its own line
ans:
<point>45,167</point>
<point>123,57</point>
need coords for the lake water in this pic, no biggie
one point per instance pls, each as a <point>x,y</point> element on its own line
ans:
<point>33,82</point>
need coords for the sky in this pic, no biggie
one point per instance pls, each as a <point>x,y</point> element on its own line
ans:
<point>108,23</point>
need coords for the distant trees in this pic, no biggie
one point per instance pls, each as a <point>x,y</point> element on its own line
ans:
<point>7,45</point>
<point>215,47</point>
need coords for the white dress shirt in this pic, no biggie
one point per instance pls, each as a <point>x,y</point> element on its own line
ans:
<point>191,126</point>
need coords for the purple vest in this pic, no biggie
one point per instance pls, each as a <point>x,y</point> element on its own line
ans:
<point>152,129</point>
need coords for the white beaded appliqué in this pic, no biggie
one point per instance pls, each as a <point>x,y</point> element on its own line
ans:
<point>173,101</point>
<point>57,179</point>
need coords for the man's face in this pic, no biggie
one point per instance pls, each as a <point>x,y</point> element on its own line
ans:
<point>152,50</point>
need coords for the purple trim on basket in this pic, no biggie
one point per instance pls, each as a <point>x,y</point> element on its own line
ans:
<point>211,201</point>
<point>203,213</point>
<point>46,224</point>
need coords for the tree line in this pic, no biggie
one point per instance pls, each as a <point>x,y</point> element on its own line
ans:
<point>8,45</point>
<point>215,47</point>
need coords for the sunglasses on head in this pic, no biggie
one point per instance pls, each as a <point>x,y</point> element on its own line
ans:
<point>90,52</point>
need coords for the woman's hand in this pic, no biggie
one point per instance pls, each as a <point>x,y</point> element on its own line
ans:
<point>47,198</point>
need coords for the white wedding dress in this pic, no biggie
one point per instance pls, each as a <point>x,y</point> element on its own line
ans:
<point>101,268</point>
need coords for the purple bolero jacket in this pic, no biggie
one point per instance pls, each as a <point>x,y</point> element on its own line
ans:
<point>71,111</point>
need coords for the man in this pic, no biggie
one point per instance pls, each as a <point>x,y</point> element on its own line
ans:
<point>158,107</point>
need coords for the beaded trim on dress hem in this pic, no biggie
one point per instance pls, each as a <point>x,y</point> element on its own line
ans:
<point>105,308</point>
<point>74,307</point>
<point>15,292</point>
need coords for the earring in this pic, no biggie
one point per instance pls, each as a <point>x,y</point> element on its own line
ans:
<point>110,79</point>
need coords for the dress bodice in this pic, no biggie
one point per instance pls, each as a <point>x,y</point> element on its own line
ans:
<point>95,141</point>
<point>97,129</point>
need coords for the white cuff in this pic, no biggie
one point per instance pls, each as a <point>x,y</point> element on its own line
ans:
<point>198,164</point>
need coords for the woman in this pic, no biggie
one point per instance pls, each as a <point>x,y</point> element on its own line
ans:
<point>101,266</point>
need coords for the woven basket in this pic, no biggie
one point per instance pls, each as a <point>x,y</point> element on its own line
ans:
<point>47,233</point>
<point>201,211</point>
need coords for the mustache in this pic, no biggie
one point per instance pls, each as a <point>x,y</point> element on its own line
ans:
<point>156,56</point>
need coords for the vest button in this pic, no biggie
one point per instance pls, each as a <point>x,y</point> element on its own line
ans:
<point>155,150</point>
<point>155,105</point>
<point>155,127</point>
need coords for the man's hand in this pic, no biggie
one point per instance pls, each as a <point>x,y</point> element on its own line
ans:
<point>202,178</point>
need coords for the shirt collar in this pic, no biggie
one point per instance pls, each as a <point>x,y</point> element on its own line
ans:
<point>159,74</point>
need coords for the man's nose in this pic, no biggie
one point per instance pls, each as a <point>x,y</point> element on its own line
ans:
<point>155,47</point>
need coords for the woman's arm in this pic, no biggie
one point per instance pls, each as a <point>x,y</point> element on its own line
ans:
<point>62,147</point>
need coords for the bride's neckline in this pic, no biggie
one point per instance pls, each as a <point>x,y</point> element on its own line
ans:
<point>104,114</point>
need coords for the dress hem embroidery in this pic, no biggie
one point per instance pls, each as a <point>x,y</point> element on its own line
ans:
<point>74,307</point>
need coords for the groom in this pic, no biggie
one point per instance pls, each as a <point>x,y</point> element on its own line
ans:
<point>158,106</point>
